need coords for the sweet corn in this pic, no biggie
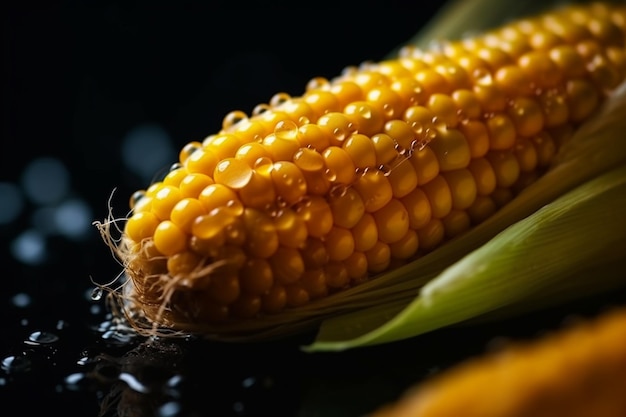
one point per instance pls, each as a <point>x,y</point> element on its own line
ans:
<point>575,372</point>
<point>311,195</point>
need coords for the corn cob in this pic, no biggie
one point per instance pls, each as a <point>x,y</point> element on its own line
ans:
<point>308,196</point>
<point>575,372</point>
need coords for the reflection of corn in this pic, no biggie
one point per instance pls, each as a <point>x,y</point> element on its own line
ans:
<point>579,372</point>
<point>313,194</point>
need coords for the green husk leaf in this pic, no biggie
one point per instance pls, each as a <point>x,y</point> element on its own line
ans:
<point>555,249</point>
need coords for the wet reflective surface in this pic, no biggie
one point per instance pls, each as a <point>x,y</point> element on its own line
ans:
<point>86,88</point>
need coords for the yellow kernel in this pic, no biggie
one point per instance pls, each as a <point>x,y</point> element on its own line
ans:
<point>192,184</point>
<point>401,132</point>
<point>356,265</point>
<point>281,146</point>
<point>209,246</point>
<point>554,107</point>
<point>336,275</point>
<point>361,150</point>
<point>582,98</point>
<point>296,295</point>
<point>491,97</point>
<point>346,92</point>
<point>219,195</point>
<point>259,192</point>
<point>311,135</point>
<point>545,148</point>
<point>202,161</point>
<point>247,306</point>
<point>317,215</point>
<point>321,102</point>
<point>542,70</point>
<point>378,257</point>
<point>494,57</point>
<point>318,182</point>
<point>526,155</point>
<point>482,209</point>
<point>406,246</point>
<point>392,221</point>
<point>141,225</point>
<point>164,201</point>
<point>484,176</point>
<point>569,61</point>
<point>456,223</point>
<point>347,207</point>
<point>208,226</point>
<point>387,101</point>
<point>185,213</point>
<point>467,104</point>
<point>175,175</point>
<point>420,119</point>
<point>261,237</point>
<point>374,188</point>
<point>402,177</point>
<point>223,145</point>
<point>409,90</point>
<point>251,152</point>
<point>418,208</point>
<point>365,233</point>
<point>501,131</point>
<point>451,149</point>
<point>337,126</point>
<point>183,263</point>
<point>169,239</point>
<point>366,118</point>
<point>425,164</point>
<point>308,159</point>
<point>444,108</point>
<point>340,164</point>
<point>256,276</point>
<point>462,186</point>
<point>249,130</point>
<point>505,166</point>
<point>287,265</point>
<point>455,75</point>
<point>274,300</point>
<point>224,289</point>
<point>368,79</point>
<point>439,196</point>
<point>339,243</point>
<point>477,136</point>
<point>432,82</point>
<point>314,254</point>
<point>297,110</point>
<point>385,149</point>
<point>291,228</point>
<point>526,115</point>
<point>431,235</point>
<point>314,282</point>
<point>289,183</point>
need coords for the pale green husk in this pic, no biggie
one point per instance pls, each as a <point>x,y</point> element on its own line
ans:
<point>566,239</point>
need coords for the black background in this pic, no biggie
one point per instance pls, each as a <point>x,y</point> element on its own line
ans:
<point>76,78</point>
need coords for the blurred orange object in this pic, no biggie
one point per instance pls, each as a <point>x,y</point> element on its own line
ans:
<point>579,371</point>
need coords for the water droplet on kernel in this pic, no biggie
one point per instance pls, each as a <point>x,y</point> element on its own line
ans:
<point>279,98</point>
<point>260,109</point>
<point>286,130</point>
<point>308,159</point>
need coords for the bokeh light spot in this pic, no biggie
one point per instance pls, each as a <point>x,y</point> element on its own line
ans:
<point>12,202</point>
<point>45,180</point>
<point>29,247</point>
<point>147,149</point>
